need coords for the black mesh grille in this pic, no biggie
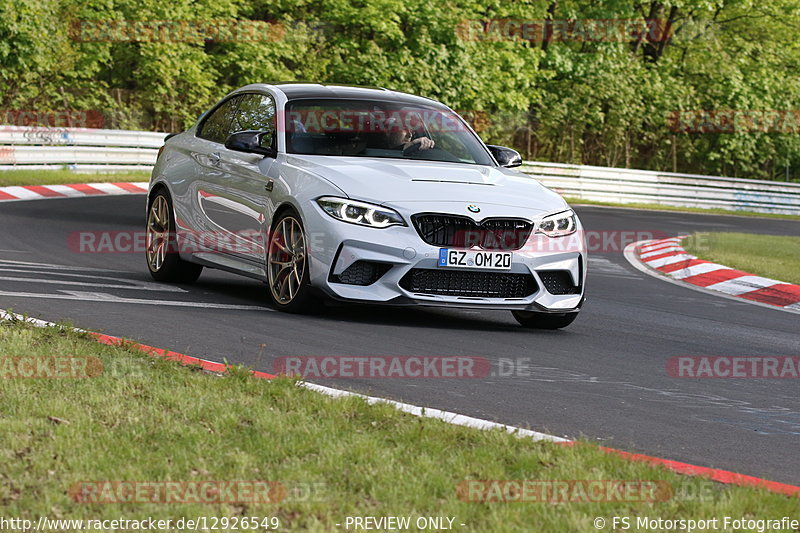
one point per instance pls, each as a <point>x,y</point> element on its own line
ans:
<point>463,283</point>
<point>558,282</point>
<point>463,232</point>
<point>362,273</point>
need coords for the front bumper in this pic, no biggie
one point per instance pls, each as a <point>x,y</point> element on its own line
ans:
<point>336,247</point>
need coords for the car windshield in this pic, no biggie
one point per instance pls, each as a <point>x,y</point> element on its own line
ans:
<point>365,128</point>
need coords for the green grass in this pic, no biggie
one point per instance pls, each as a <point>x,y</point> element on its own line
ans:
<point>659,207</point>
<point>145,419</point>
<point>56,177</point>
<point>149,420</point>
<point>771,256</point>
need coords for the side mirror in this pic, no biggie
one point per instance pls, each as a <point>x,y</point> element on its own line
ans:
<point>251,143</point>
<point>505,157</point>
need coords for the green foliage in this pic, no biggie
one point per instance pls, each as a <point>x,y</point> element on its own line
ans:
<point>593,101</point>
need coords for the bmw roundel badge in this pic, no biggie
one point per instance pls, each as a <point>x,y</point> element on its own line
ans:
<point>472,208</point>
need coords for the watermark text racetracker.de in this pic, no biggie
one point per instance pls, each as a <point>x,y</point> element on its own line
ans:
<point>254,241</point>
<point>734,121</point>
<point>209,492</point>
<point>403,367</point>
<point>180,31</point>
<point>566,30</point>
<point>67,367</point>
<point>562,491</point>
<point>54,367</point>
<point>734,367</point>
<point>39,118</point>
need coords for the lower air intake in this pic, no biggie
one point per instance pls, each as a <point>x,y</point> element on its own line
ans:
<point>470,284</point>
<point>558,282</point>
<point>362,273</point>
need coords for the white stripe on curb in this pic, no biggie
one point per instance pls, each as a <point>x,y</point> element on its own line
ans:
<point>423,412</point>
<point>669,260</point>
<point>21,193</point>
<point>702,268</point>
<point>661,251</point>
<point>742,285</point>
<point>630,254</point>
<point>660,243</point>
<point>66,191</point>
<point>32,192</point>
<point>109,188</point>
<point>446,416</point>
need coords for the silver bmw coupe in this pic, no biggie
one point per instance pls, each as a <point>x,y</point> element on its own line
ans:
<point>362,195</point>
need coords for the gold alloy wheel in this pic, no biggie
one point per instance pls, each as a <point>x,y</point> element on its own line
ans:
<point>286,260</point>
<point>157,233</point>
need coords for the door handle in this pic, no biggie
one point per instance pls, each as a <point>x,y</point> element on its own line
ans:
<point>215,157</point>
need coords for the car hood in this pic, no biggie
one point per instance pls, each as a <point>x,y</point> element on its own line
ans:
<point>399,182</point>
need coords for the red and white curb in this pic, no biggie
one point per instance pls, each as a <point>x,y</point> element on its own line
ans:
<point>75,190</point>
<point>667,257</point>
<point>713,474</point>
<point>37,192</point>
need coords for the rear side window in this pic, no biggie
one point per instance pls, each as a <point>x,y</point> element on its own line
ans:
<point>219,125</point>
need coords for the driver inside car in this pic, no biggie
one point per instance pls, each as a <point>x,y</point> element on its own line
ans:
<point>399,137</point>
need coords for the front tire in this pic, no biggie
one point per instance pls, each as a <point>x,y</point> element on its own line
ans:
<point>161,248</point>
<point>534,320</point>
<point>287,266</point>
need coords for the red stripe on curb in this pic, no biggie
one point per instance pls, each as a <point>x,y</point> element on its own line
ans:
<point>714,474</point>
<point>654,244</point>
<point>44,191</point>
<point>161,353</point>
<point>666,254</point>
<point>715,276</point>
<point>130,187</point>
<point>721,476</point>
<point>646,250</point>
<point>680,265</point>
<point>85,188</point>
<point>782,295</point>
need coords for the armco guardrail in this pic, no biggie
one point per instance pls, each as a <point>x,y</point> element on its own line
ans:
<point>682,190</point>
<point>78,149</point>
<point>118,150</point>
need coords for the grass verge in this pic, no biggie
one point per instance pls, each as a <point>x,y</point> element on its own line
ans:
<point>58,177</point>
<point>771,256</point>
<point>149,420</point>
<point>659,207</point>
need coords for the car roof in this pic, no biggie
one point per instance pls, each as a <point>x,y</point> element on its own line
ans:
<point>298,91</point>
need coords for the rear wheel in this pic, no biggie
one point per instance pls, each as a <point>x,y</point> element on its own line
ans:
<point>532,319</point>
<point>161,249</point>
<point>287,266</point>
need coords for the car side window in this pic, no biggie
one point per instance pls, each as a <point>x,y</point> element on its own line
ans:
<point>256,112</point>
<point>219,125</point>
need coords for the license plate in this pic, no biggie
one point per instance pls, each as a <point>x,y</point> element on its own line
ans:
<point>475,259</point>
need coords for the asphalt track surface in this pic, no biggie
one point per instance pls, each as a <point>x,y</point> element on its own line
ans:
<point>604,378</point>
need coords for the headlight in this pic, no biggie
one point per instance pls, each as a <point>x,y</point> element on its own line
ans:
<point>558,224</point>
<point>360,213</point>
